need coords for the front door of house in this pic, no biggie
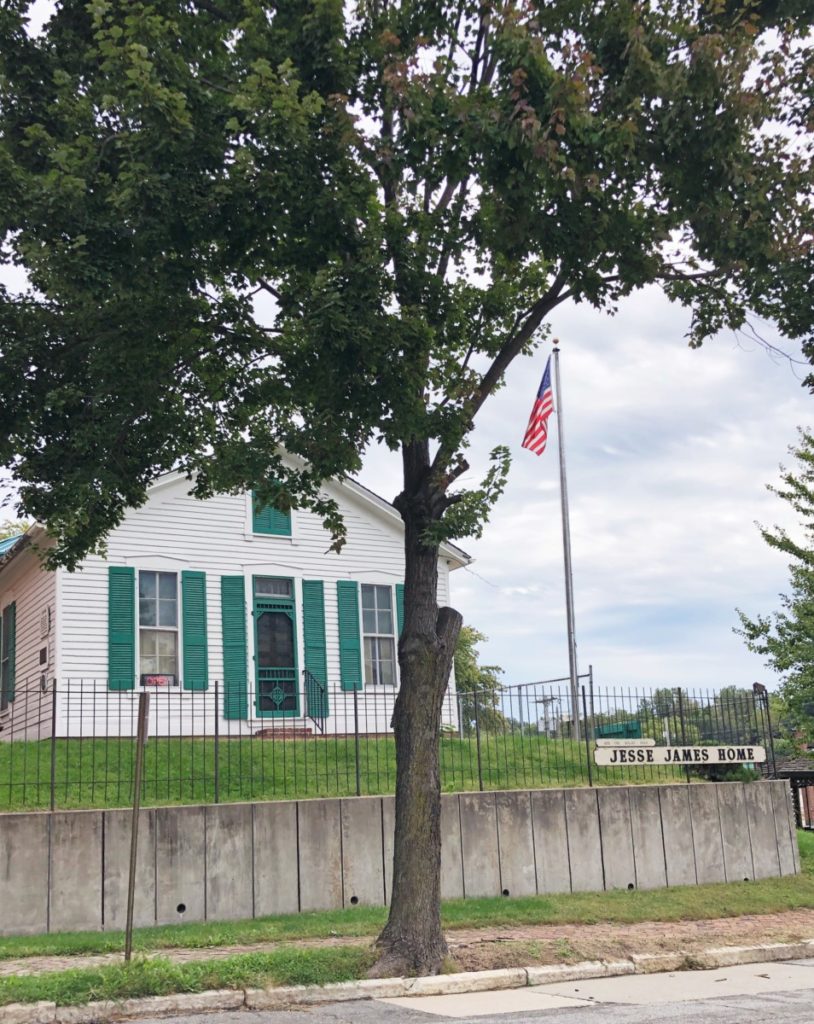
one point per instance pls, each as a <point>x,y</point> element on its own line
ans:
<point>275,647</point>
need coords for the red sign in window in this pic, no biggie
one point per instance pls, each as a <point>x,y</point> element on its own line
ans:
<point>156,680</point>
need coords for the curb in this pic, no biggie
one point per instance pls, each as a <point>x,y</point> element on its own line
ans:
<point>390,988</point>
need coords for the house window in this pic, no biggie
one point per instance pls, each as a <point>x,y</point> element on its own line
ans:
<point>158,625</point>
<point>5,665</point>
<point>379,636</point>
<point>269,520</point>
<point>268,586</point>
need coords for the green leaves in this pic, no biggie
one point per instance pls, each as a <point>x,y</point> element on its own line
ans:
<point>467,511</point>
<point>786,638</point>
<point>477,686</point>
<point>317,225</point>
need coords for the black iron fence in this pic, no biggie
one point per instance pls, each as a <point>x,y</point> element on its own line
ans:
<point>71,743</point>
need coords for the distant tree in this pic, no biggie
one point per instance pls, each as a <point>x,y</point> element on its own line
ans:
<point>731,717</point>
<point>786,638</point>
<point>662,703</point>
<point>11,527</point>
<point>478,686</point>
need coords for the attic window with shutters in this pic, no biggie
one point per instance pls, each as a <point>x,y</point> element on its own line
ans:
<point>270,521</point>
<point>158,627</point>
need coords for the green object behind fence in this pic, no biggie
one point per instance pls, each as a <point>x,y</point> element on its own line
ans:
<point>619,731</point>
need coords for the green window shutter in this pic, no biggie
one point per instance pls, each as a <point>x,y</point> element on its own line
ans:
<point>313,638</point>
<point>350,649</point>
<point>269,520</point>
<point>400,606</point>
<point>121,628</point>
<point>233,619</point>
<point>10,627</point>
<point>193,620</point>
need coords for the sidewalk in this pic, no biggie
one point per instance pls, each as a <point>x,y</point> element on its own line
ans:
<point>642,990</point>
<point>523,946</point>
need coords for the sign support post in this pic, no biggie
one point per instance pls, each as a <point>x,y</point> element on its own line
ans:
<point>141,739</point>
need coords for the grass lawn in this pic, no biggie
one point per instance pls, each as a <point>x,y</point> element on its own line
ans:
<point>156,977</point>
<point>95,773</point>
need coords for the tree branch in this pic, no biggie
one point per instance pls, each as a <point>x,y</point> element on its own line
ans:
<point>443,259</point>
<point>217,86</point>
<point>482,30</point>
<point>450,478</point>
<point>515,342</point>
<point>207,5</point>
<point>269,288</point>
<point>511,348</point>
<point>446,196</point>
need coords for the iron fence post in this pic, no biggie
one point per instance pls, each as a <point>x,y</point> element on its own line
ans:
<point>217,745</point>
<point>683,732</point>
<point>477,740</point>
<point>681,715</point>
<point>587,738</point>
<point>141,738</point>
<point>356,739</point>
<point>765,697</point>
<point>54,747</point>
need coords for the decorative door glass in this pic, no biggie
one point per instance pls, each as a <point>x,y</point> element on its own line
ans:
<point>275,651</point>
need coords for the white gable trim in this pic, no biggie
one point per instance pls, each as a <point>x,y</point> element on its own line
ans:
<point>456,557</point>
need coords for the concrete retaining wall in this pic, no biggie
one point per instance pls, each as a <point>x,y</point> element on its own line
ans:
<point>68,870</point>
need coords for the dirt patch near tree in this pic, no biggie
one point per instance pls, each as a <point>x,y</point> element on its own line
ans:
<point>488,948</point>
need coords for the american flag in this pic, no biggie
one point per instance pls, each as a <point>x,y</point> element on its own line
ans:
<point>537,430</point>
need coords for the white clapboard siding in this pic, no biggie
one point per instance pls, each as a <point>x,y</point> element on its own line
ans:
<point>174,531</point>
<point>33,590</point>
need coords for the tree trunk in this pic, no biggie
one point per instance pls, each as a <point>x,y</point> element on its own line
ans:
<point>412,941</point>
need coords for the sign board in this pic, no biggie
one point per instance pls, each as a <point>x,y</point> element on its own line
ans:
<point>645,742</point>
<point>158,680</point>
<point>630,729</point>
<point>628,753</point>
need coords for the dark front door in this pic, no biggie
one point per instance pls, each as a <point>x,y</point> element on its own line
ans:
<point>275,645</point>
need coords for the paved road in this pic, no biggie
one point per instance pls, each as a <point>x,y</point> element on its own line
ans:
<point>752,994</point>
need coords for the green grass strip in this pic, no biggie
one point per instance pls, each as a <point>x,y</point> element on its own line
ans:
<point>685,903</point>
<point>158,976</point>
<point>98,773</point>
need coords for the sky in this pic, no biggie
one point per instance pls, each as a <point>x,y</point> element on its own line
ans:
<point>668,451</point>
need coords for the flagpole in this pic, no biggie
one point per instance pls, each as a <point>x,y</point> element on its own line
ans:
<point>566,543</point>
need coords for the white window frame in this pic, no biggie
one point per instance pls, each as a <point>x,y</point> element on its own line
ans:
<point>176,629</point>
<point>380,636</point>
<point>276,538</point>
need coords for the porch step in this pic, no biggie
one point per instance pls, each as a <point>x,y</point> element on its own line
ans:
<point>284,732</point>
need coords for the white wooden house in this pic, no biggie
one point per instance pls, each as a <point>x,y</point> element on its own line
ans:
<point>234,617</point>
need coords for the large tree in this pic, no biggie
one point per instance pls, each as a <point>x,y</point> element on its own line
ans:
<point>309,225</point>
<point>786,637</point>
